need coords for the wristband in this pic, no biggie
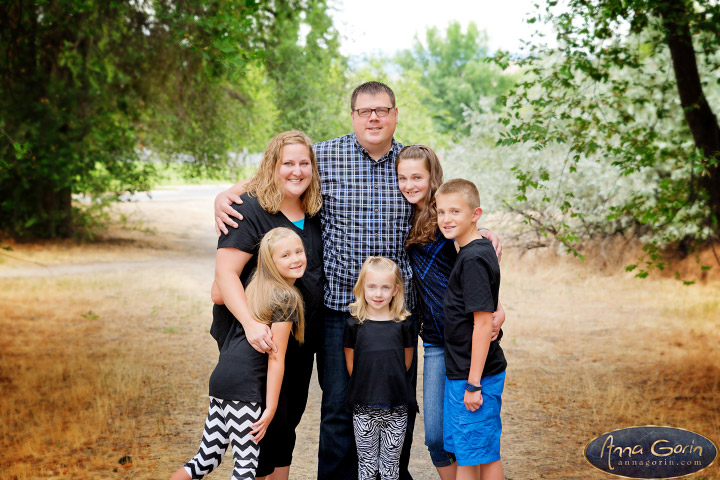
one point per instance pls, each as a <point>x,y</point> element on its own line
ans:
<point>472,388</point>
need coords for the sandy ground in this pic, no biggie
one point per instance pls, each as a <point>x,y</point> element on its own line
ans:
<point>587,353</point>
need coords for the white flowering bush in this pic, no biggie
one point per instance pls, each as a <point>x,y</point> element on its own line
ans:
<point>564,208</point>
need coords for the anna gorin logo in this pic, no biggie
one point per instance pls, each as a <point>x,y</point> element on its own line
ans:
<point>651,452</point>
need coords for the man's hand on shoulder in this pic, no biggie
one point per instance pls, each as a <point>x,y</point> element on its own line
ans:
<point>224,209</point>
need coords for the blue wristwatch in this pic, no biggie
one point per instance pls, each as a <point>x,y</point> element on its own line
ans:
<point>472,388</point>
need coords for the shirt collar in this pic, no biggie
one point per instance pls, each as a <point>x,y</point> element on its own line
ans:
<point>390,155</point>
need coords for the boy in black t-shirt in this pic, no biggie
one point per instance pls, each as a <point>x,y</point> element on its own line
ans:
<point>471,413</point>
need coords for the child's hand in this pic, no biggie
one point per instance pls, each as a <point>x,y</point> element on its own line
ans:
<point>473,400</point>
<point>261,426</point>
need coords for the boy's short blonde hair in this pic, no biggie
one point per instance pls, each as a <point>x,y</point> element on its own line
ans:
<point>462,187</point>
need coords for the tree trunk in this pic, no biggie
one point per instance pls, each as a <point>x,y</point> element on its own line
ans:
<point>700,118</point>
<point>57,209</point>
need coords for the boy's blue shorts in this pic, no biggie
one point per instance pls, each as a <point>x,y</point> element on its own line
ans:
<point>474,437</point>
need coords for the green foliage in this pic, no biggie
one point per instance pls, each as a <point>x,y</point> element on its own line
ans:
<point>90,315</point>
<point>311,93</point>
<point>544,204</point>
<point>86,86</point>
<point>611,92</point>
<point>79,79</point>
<point>454,74</point>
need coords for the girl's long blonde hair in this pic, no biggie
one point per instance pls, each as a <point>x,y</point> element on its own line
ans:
<point>424,221</point>
<point>359,308</point>
<point>268,291</point>
<point>264,185</point>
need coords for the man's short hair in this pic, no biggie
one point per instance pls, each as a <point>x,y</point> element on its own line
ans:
<point>372,88</point>
<point>462,187</point>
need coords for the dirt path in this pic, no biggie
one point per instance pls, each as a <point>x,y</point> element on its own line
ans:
<point>587,353</point>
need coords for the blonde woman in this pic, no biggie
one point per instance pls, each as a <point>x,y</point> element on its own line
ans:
<point>285,192</point>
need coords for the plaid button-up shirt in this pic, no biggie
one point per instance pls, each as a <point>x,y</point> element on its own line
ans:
<point>363,214</point>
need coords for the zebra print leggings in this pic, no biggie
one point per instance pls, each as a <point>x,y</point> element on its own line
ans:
<point>379,435</point>
<point>228,423</point>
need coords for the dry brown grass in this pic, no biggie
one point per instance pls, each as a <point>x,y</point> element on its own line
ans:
<point>115,362</point>
<point>589,354</point>
<point>87,374</point>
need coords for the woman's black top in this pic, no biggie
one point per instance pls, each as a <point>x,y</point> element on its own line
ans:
<point>247,236</point>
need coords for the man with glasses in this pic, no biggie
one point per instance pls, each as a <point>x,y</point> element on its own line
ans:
<point>363,214</point>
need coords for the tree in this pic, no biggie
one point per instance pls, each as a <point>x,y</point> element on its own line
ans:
<point>625,85</point>
<point>454,70</point>
<point>85,83</point>
<point>309,76</point>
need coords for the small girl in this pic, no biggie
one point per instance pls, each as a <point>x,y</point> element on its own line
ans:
<point>379,345</point>
<point>245,379</point>
<point>432,257</point>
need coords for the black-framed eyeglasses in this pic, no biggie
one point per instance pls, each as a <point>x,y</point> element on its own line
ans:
<point>379,111</point>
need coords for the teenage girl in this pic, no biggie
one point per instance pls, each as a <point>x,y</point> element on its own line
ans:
<point>432,258</point>
<point>244,379</point>
<point>379,345</point>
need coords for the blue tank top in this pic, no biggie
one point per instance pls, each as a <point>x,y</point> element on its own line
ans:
<point>432,264</point>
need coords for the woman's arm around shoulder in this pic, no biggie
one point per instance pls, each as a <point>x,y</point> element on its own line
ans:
<point>229,264</point>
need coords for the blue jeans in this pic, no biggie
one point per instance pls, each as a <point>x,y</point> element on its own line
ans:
<point>337,456</point>
<point>433,395</point>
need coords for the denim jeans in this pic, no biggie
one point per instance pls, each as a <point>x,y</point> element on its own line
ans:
<point>433,393</point>
<point>337,456</point>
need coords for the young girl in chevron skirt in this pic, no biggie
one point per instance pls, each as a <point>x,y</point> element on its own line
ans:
<point>379,344</point>
<point>244,380</point>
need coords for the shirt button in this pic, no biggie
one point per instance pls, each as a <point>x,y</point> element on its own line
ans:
<point>376,234</point>
<point>376,209</point>
<point>376,186</point>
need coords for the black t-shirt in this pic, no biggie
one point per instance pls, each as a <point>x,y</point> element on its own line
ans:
<point>379,375</point>
<point>473,287</point>
<point>247,236</point>
<point>241,372</point>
